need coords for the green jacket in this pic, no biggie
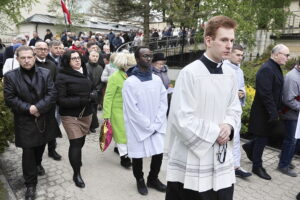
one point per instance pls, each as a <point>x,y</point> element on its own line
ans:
<point>113,105</point>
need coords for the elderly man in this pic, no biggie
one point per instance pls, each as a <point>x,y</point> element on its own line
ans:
<point>234,61</point>
<point>145,107</point>
<point>264,116</point>
<point>30,93</point>
<point>204,113</point>
<point>34,39</point>
<point>41,52</point>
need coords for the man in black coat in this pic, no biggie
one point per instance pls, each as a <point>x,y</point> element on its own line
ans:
<point>34,39</point>
<point>264,116</point>
<point>41,52</point>
<point>30,93</point>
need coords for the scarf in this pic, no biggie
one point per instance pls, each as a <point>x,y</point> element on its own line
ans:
<point>142,75</point>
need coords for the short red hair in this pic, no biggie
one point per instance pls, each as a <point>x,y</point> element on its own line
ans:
<point>215,23</point>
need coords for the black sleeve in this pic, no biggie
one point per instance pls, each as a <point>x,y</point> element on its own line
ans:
<point>11,97</point>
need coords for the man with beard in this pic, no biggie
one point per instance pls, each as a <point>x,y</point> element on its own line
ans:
<point>205,110</point>
<point>145,106</point>
<point>30,93</point>
<point>41,52</point>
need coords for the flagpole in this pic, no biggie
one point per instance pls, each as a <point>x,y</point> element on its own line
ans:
<point>65,23</point>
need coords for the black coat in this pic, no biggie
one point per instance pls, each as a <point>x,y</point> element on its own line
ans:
<point>268,99</point>
<point>48,65</point>
<point>74,91</point>
<point>20,92</point>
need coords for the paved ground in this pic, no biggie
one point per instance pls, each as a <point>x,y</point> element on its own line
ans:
<point>106,180</point>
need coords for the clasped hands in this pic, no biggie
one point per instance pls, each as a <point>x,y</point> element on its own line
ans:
<point>224,136</point>
<point>34,111</point>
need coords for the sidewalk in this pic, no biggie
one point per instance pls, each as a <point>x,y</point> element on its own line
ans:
<point>106,180</point>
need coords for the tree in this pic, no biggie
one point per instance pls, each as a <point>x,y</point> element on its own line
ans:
<point>140,11</point>
<point>250,14</point>
<point>10,11</point>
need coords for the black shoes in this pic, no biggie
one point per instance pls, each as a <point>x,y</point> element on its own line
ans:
<point>30,193</point>
<point>288,171</point>
<point>53,154</point>
<point>125,161</point>
<point>240,172</point>
<point>261,172</point>
<point>116,150</point>
<point>248,151</point>
<point>92,130</point>
<point>141,186</point>
<point>298,196</point>
<point>40,170</point>
<point>78,180</point>
<point>156,184</point>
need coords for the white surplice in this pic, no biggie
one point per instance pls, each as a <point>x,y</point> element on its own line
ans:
<point>200,102</point>
<point>297,134</point>
<point>145,106</point>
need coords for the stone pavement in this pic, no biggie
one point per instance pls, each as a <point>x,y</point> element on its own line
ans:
<point>106,180</point>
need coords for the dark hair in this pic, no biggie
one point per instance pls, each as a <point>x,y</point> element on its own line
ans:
<point>217,22</point>
<point>106,56</point>
<point>137,51</point>
<point>23,48</point>
<point>66,58</point>
<point>237,47</point>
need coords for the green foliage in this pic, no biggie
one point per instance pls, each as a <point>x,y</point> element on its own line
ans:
<point>250,15</point>
<point>10,12</point>
<point>6,123</point>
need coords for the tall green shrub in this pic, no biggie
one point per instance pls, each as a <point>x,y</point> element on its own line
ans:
<point>6,123</point>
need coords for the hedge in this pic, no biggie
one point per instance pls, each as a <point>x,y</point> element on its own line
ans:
<point>6,123</point>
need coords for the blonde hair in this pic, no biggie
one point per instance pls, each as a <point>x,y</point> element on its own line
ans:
<point>124,60</point>
<point>112,57</point>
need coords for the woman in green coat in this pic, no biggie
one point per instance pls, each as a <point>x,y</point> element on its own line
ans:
<point>113,104</point>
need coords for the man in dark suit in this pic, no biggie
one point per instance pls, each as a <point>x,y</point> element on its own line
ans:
<point>41,51</point>
<point>55,47</point>
<point>264,116</point>
<point>34,39</point>
<point>30,93</point>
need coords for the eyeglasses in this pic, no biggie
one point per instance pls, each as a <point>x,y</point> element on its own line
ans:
<point>75,58</point>
<point>147,56</point>
<point>222,153</point>
<point>42,49</point>
<point>286,55</point>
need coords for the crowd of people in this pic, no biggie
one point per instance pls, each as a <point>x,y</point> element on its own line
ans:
<point>51,82</point>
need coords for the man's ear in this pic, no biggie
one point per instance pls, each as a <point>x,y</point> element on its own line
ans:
<point>207,41</point>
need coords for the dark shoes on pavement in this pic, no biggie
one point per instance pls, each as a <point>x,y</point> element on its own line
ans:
<point>247,148</point>
<point>261,172</point>
<point>288,171</point>
<point>141,186</point>
<point>156,184</point>
<point>125,161</point>
<point>92,130</point>
<point>53,154</point>
<point>30,193</point>
<point>298,196</point>
<point>240,172</point>
<point>78,180</point>
<point>40,170</point>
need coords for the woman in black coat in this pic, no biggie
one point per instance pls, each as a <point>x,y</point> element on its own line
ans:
<point>74,89</point>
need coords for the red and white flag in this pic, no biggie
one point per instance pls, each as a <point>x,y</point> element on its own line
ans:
<point>66,11</point>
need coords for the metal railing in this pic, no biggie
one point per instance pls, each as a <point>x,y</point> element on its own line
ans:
<point>179,51</point>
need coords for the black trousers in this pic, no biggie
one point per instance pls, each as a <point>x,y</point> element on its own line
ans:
<point>95,122</point>
<point>31,158</point>
<point>175,191</point>
<point>137,167</point>
<point>52,145</point>
<point>75,153</point>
